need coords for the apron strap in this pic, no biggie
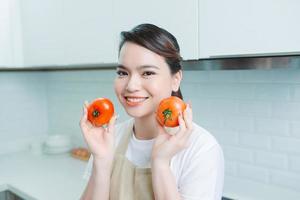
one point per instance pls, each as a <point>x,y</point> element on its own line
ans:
<point>123,144</point>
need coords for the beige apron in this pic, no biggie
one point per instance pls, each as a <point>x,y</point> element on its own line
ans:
<point>128,182</point>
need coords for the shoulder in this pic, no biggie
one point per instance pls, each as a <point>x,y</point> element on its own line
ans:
<point>202,139</point>
<point>203,149</point>
<point>200,165</point>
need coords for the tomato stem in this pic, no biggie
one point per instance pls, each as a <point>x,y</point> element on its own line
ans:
<point>96,113</point>
<point>167,115</point>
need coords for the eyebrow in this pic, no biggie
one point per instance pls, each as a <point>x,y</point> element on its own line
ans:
<point>140,67</point>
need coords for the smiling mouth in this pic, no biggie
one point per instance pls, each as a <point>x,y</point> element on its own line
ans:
<point>135,100</point>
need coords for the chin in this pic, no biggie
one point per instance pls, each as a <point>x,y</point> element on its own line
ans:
<point>135,114</point>
<point>138,113</point>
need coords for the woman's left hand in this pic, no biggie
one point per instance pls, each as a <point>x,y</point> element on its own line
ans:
<point>166,145</point>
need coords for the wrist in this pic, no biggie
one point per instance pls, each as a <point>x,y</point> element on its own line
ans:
<point>103,163</point>
<point>160,164</point>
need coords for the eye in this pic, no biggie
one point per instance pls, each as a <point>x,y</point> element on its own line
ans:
<point>148,73</point>
<point>121,73</point>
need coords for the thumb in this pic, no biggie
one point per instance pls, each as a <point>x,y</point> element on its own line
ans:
<point>111,124</point>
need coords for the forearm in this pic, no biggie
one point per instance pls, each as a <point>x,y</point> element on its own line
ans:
<point>164,183</point>
<point>99,182</point>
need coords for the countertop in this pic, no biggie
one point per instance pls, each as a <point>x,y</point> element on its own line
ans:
<point>60,177</point>
<point>42,177</point>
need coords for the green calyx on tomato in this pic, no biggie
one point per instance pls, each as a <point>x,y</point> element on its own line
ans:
<point>96,113</point>
<point>167,115</point>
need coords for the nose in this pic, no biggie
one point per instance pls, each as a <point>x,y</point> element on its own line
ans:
<point>133,84</point>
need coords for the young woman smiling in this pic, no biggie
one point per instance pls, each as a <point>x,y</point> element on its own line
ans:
<point>138,158</point>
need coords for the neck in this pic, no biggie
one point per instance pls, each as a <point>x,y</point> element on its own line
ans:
<point>145,128</point>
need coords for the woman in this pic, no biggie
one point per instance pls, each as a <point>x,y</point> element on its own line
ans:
<point>138,158</point>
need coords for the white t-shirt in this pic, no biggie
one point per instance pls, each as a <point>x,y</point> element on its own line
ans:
<point>198,169</point>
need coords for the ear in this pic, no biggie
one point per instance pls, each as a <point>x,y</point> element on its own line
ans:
<point>176,79</point>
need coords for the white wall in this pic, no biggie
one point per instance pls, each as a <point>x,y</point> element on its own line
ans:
<point>254,114</point>
<point>23,109</point>
<point>67,92</point>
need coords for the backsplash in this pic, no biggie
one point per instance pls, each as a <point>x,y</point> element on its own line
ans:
<point>254,114</point>
<point>23,109</point>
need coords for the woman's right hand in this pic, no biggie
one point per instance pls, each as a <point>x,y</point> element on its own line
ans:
<point>100,140</point>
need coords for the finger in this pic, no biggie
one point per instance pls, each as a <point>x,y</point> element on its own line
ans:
<point>160,127</point>
<point>84,123</point>
<point>84,115</point>
<point>188,117</point>
<point>189,103</point>
<point>182,126</point>
<point>111,124</point>
<point>163,133</point>
<point>86,104</point>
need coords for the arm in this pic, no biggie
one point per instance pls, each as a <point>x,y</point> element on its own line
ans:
<point>100,141</point>
<point>202,177</point>
<point>163,180</point>
<point>164,148</point>
<point>99,182</point>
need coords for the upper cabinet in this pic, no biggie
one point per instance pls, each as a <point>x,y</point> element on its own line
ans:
<point>11,52</point>
<point>62,32</point>
<point>67,32</point>
<point>178,17</point>
<point>248,27</point>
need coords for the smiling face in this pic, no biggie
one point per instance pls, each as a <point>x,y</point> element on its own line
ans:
<point>143,80</point>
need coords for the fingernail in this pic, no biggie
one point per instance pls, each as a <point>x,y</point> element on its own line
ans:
<point>190,103</point>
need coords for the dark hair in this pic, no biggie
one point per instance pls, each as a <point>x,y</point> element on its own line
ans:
<point>159,41</point>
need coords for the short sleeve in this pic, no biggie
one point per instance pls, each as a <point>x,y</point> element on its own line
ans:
<point>203,176</point>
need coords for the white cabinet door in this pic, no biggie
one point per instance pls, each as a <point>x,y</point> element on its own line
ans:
<point>5,39</point>
<point>88,31</point>
<point>178,17</point>
<point>11,52</point>
<point>67,32</point>
<point>246,27</point>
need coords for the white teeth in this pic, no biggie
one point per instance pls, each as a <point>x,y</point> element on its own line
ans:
<point>135,99</point>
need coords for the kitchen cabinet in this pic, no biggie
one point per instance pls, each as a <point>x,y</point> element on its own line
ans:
<point>67,32</point>
<point>10,34</point>
<point>55,32</point>
<point>178,17</point>
<point>246,27</point>
<point>76,32</point>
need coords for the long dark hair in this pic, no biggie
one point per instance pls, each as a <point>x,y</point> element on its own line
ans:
<point>159,41</point>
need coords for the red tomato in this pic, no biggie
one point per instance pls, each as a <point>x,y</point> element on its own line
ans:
<point>169,110</point>
<point>100,111</point>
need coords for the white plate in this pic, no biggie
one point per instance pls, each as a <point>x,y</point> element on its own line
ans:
<point>57,150</point>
